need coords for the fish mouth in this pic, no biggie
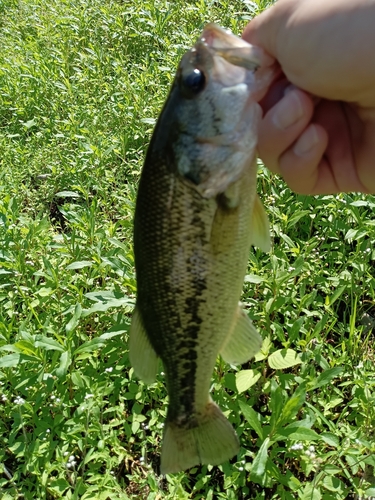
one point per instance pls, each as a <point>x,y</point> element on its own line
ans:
<point>234,72</point>
<point>233,49</point>
<point>231,60</point>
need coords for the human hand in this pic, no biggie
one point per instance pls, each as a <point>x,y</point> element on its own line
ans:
<point>320,139</point>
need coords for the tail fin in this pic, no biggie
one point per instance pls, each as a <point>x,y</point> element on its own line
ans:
<point>212,441</point>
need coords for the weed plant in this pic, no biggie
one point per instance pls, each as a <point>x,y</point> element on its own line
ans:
<point>81,84</point>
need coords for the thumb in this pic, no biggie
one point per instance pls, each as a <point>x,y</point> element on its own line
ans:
<point>264,29</point>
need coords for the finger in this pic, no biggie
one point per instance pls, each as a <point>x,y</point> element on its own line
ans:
<point>304,167</point>
<point>282,125</point>
<point>263,30</point>
<point>275,93</point>
<point>345,130</point>
<point>365,150</point>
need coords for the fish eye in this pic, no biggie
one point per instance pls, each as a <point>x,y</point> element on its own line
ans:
<point>193,83</point>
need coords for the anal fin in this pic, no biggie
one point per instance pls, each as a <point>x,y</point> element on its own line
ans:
<point>142,356</point>
<point>243,341</point>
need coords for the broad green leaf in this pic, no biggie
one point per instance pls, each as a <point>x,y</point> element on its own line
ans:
<point>332,403</point>
<point>297,434</point>
<point>106,299</point>
<point>276,403</point>
<point>48,344</point>
<point>150,121</point>
<point>29,123</point>
<point>27,347</point>
<point>253,418</point>
<point>355,234</point>
<point>9,348</point>
<point>293,483</point>
<point>45,291</point>
<point>9,360</point>
<point>359,203</point>
<point>246,378</point>
<point>332,483</point>
<point>78,380</point>
<point>265,349</point>
<point>326,377</point>
<point>117,243</point>
<point>296,217</point>
<point>331,469</point>
<point>253,278</point>
<point>288,241</point>
<point>58,486</point>
<point>109,335</point>
<point>135,426</point>
<point>71,325</point>
<point>292,406</point>
<point>295,330</point>
<point>67,194</point>
<point>310,492</point>
<point>330,299</point>
<point>6,496</point>
<point>260,460</point>
<point>306,423</point>
<point>65,361</point>
<point>153,483</point>
<point>108,295</point>
<point>79,264</point>
<point>273,471</point>
<point>102,307</point>
<point>350,234</point>
<point>91,455</point>
<point>89,346</point>
<point>283,358</point>
<point>210,494</point>
<point>330,425</point>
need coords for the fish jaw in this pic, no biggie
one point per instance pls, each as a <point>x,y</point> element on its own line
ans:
<point>238,52</point>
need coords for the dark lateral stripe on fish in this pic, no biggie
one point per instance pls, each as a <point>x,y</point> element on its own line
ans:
<point>187,351</point>
<point>183,410</point>
<point>187,356</point>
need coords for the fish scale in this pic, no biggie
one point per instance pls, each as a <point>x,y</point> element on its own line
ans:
<point>196,215</point>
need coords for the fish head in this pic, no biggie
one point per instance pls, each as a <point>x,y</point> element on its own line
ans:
<point>213,112</point>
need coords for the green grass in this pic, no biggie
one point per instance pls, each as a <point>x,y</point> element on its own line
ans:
<point>81,84</point>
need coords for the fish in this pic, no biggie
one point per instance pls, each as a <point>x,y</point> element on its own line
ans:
<point>197,214</point>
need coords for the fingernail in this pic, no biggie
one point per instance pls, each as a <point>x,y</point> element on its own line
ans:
<point>306,142</point>
<point>289,88</point>
<point>288,111</point>
<point>315,99</point>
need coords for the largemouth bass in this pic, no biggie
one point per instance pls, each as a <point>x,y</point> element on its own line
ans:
<point>196,215</point>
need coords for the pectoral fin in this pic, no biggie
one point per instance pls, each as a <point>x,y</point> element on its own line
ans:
<point>243,341</point>
<point>142,356</point>
<point>260,227</point>
<point>231,197</point>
